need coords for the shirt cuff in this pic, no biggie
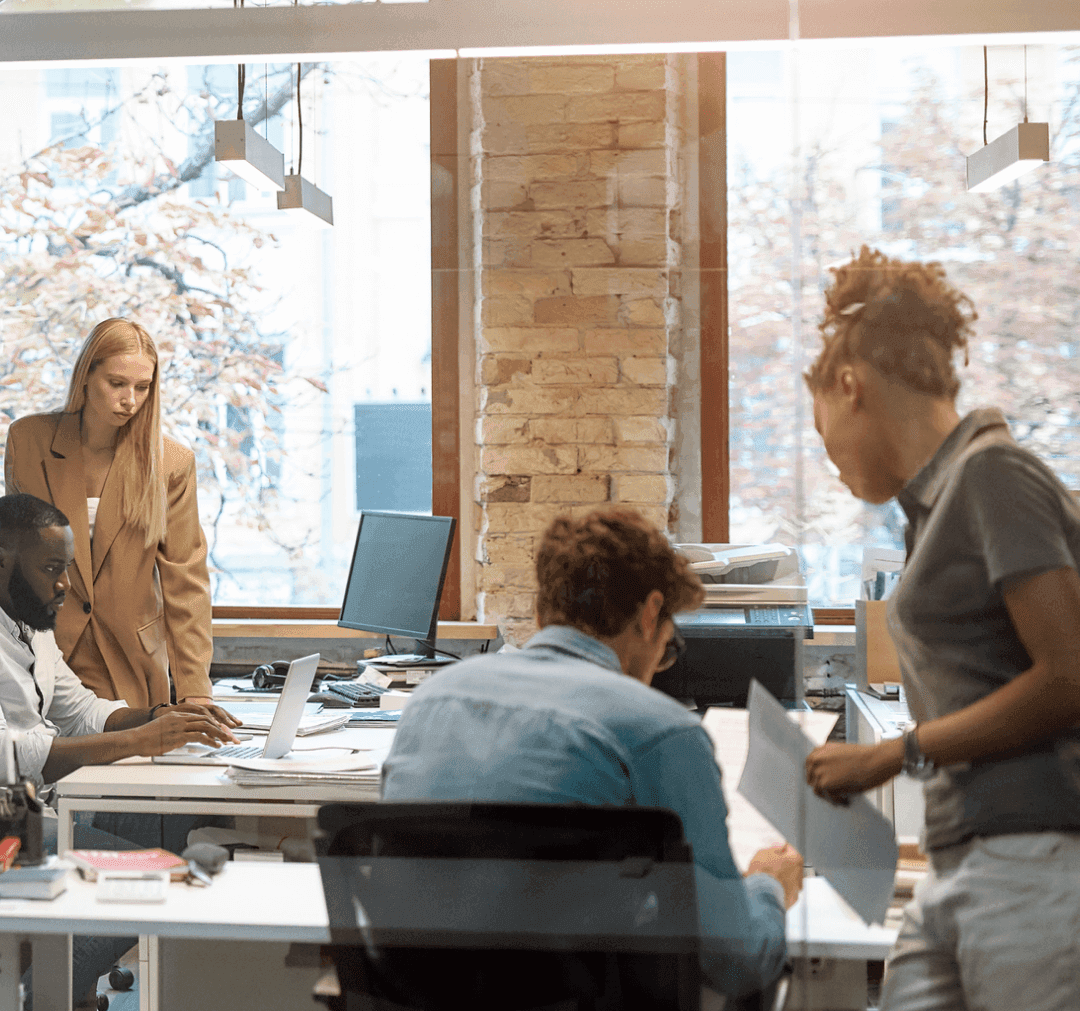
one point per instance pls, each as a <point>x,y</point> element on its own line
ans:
<point>766,883</point>
<point>104,709</point>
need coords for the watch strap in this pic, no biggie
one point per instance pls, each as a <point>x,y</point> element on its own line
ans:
<point>916,764</point>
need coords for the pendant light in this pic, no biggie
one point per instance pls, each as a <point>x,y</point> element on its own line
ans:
<point>240,147</point>
<point>1015,152</point>
<point>301,197</point>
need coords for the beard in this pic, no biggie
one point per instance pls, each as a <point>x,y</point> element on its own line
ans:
<point>26,605</point>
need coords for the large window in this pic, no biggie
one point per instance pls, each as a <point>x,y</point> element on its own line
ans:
<point>871,149</point>
<point>276,337</point>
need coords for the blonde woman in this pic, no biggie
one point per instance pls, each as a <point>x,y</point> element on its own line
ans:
<point>139,606</point>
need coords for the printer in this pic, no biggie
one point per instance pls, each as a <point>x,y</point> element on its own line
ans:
<point>751,626</point>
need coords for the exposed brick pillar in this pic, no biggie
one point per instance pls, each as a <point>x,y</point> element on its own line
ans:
<point>577,196</point>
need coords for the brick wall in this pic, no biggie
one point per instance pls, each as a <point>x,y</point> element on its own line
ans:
<point>577,203</point>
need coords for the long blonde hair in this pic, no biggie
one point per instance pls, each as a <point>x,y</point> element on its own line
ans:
<point>138,457</point>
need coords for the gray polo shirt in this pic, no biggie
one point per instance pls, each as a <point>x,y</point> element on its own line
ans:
<point>982,513</point>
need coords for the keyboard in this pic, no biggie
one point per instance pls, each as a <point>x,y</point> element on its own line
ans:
<point>239,751</point>
<point>357,693</point>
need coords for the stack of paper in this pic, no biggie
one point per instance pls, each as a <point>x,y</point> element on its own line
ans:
<point>315,724</point>
<point>352,770</point>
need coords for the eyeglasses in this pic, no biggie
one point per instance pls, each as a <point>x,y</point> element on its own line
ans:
<point>672,651</point>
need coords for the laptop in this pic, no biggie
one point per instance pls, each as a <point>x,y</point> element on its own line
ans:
<point>282,733</point>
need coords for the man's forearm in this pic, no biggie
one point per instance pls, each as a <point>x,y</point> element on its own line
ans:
<point>126,719</point>
<point>70,753</point>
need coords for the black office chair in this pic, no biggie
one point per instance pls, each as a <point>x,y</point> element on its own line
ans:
<point>496,976</point>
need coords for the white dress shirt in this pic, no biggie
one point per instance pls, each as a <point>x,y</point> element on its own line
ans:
<point>41,698</point>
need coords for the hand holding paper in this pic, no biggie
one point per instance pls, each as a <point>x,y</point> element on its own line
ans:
<point>852,846</point>
<point>836,770</point>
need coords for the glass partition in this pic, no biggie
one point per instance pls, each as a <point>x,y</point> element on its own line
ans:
<point>880,137</point>
<point>277,337</point>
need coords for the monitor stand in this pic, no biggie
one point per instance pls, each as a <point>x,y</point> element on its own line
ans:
<point>424,656</point>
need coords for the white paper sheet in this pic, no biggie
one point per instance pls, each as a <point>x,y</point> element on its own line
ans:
<point>853,846</point>
<point>729,730</point>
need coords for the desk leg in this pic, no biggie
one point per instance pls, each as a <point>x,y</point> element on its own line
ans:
<point>65,831</point>
<point>52,970</point>
<point>835,984</point>
<point>9,973</point>
<point>149,973</point>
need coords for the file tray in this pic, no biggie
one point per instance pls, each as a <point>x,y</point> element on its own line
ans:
<point>633,905</point>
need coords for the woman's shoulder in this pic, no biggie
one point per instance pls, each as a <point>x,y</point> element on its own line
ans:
<point>36,425</point>
<point>176,456</point>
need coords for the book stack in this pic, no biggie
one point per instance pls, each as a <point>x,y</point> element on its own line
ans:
<point>44,882</point>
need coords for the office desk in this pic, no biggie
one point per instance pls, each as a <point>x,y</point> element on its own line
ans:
<point>828,941</point>
<point>275,905</point>
<point>249,902</point>
<point>138,785</point>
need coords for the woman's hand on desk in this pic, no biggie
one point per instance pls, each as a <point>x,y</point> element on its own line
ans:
<point>835,771</point>
<point>177,726</point>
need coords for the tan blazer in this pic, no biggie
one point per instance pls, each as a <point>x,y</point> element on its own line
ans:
<point>147,610</point>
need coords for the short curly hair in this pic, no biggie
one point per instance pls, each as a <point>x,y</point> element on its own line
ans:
<point>901,317</point>
<point>595,572</point>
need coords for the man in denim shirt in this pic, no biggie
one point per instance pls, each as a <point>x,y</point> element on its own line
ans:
<point>571,719</point>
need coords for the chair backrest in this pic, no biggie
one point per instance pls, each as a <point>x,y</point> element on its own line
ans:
<point>500,979</point>
<point>497,830</point>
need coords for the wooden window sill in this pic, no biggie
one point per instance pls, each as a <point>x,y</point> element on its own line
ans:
<point>308,628</point>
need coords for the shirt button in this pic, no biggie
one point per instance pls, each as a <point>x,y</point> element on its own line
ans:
<point>86,607</point>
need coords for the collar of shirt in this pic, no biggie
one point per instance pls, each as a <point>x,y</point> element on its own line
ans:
<point>575,643</point>
<point>922,491</point>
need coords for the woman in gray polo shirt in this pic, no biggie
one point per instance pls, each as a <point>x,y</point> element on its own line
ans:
<point>986,621</point>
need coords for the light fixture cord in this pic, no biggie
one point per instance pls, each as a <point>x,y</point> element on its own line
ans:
<point>299,113</point>
<point>1025,84</point>
<point>986,93</point>
<point>241,77</point>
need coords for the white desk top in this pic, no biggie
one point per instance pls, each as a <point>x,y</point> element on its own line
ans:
<point>139,777</point>
<point>820,924</point>
<point>284,902</point>
<point>247,902</point>
<point>823,925</point>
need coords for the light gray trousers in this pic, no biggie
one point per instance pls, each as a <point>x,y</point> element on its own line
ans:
<point>995,926</point>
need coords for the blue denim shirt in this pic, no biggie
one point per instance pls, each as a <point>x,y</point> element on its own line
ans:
<point>559,722</point>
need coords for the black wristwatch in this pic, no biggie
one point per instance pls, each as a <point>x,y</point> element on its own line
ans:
<point>160,705</point>
<point>916,764</point>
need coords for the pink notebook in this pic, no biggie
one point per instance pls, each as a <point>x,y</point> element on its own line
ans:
<point>91,862</point>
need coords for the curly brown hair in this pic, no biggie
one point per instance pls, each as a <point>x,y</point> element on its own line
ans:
<point>595,572</point>
<point>901,317</point>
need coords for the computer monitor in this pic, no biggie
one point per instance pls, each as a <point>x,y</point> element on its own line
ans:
<point>396,577</point>
<point>726,648</point>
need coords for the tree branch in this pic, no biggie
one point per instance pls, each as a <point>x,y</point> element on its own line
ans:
<point>202,138</point>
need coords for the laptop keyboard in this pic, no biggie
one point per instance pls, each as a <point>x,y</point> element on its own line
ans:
<point>237,751</point>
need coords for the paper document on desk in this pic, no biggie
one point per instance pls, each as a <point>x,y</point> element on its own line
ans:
<point>360,770</point>
<point>853,846</point>
<point>314,724</point>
